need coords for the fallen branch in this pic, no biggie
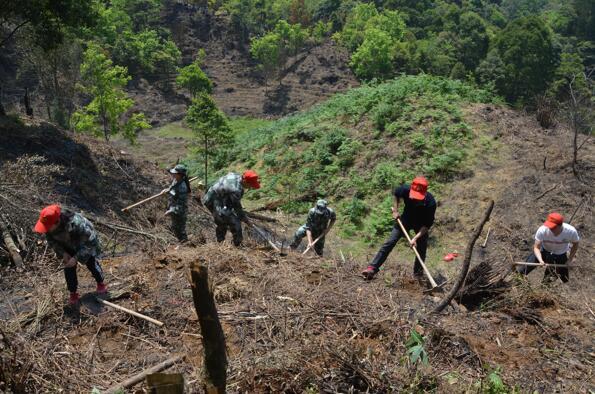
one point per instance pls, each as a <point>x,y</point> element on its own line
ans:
<point>254,215</point>
<point>142,375</point>
<point>130,312</point>
<point>547,191</point>
<point>466,261</point>
<point>10,245</point>
<point>213,339</point>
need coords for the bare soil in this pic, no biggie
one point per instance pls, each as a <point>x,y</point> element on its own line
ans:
<point>295,323</point>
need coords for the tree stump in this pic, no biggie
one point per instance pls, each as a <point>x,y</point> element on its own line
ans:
<point>213,339</point>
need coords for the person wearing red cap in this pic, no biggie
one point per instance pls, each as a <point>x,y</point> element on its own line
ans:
<point>556,242</point>
<point>418,215</point>
<point>73,238</point>
<point>223,199</point>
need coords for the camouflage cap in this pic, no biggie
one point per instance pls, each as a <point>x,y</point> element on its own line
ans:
<point>321,204</point>
<point>178,169</point>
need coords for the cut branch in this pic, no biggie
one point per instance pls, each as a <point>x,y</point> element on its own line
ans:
<point>466,261</point>
<point>10,245</point>
<point>142,375</point>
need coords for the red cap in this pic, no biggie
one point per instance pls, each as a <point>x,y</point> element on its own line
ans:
<point>251,178</point>
<point>49,216</point>
<point>554,219</point>
<point>419,188</point>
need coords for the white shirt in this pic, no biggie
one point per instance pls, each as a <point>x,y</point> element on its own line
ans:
<point>557,244</point>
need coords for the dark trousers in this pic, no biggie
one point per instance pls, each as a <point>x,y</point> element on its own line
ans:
<point>231,223</point>
<point>550,272</point>
<point>389,244</point>
<point>301,233</point>
<point>72,280</point>
<point>178,226</point>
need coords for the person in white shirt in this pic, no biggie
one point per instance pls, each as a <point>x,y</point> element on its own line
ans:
<point>556,242</point>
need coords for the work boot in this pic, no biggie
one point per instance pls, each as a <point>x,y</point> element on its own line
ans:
<point>369,272</point>
<point>101,288</point>
<point>74,298</point>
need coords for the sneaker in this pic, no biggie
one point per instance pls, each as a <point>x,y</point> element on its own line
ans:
<point>369,272</point>
<point>74,298</point>
<point>101,288</point>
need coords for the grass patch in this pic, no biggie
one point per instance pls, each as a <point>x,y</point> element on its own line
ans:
<point>355,147</point>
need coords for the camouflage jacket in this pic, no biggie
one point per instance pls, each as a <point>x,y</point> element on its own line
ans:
<point>224,197</point>
<point>178,197</point>
<point>318,219</point>
<point>76,236</point>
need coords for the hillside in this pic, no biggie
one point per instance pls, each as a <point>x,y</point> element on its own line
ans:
<point>280,313</point>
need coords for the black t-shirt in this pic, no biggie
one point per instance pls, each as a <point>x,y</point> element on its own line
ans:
<point>417,213</point>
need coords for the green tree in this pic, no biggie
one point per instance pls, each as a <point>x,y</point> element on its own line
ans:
<point>374,57</point>
<point>105,114</point>
<point>193,78</point>
<point>527,51</point>
<point>267,50</point>
<point>210,126</point>
<point>473,41</point>
<point>48,20</point>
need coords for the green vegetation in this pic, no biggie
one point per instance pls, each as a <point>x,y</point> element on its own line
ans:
<point>415,348</point>
<point>210,127</point>
<point>356,146</point>
<point>193,79</point>
<point>104,115</point>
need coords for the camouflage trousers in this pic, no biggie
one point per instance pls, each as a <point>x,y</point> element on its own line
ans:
<point>301,233</point>
<point>231,223</point>
<point>178,226</point>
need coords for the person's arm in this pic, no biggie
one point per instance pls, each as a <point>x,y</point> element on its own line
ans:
<point>537,251</point>
<point>87,237</point>
<point>429,217</point>
<point>309,235</point>
<point>573,250</point>
<point>395,207</point>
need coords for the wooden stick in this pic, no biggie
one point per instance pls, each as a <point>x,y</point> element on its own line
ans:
<point>466,261</point>
<point>545,265</point>
<point>213,338</point>
<point>317,239</point>
<point>131,381</point>
<point>10,245</point>
<point>483,245</point>
<point>161,193</point>
<point>133,313</point>
<point>421,261</point>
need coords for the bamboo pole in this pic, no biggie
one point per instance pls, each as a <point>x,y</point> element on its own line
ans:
<point>130,312</point>
<point>131,381</point>
<point>213,339</point>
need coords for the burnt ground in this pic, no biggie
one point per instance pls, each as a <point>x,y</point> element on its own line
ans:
<point>313,75</point>
<point>295,323</point>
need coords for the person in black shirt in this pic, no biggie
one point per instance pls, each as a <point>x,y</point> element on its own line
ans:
<point>418,215</point>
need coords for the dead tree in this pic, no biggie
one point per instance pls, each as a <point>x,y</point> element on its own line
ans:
<point>213,340</point>
<point>580,112</point>
<point>466,261</point>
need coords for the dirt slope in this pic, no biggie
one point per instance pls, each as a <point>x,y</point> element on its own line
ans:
<point>312,76</point>
<point>295,323</point>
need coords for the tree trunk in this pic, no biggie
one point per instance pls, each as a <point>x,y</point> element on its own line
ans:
<point>213,339</point>
<point>575,143</point>
<point>206,160</point>
<point>2,111</point>
<point>28,109</point>
<point>466,262</point>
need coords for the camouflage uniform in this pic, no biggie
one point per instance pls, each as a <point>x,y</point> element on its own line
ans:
<point>318,221</point>
<point>223,199</point>
<point>76,236</point>
<point>177,208</point>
